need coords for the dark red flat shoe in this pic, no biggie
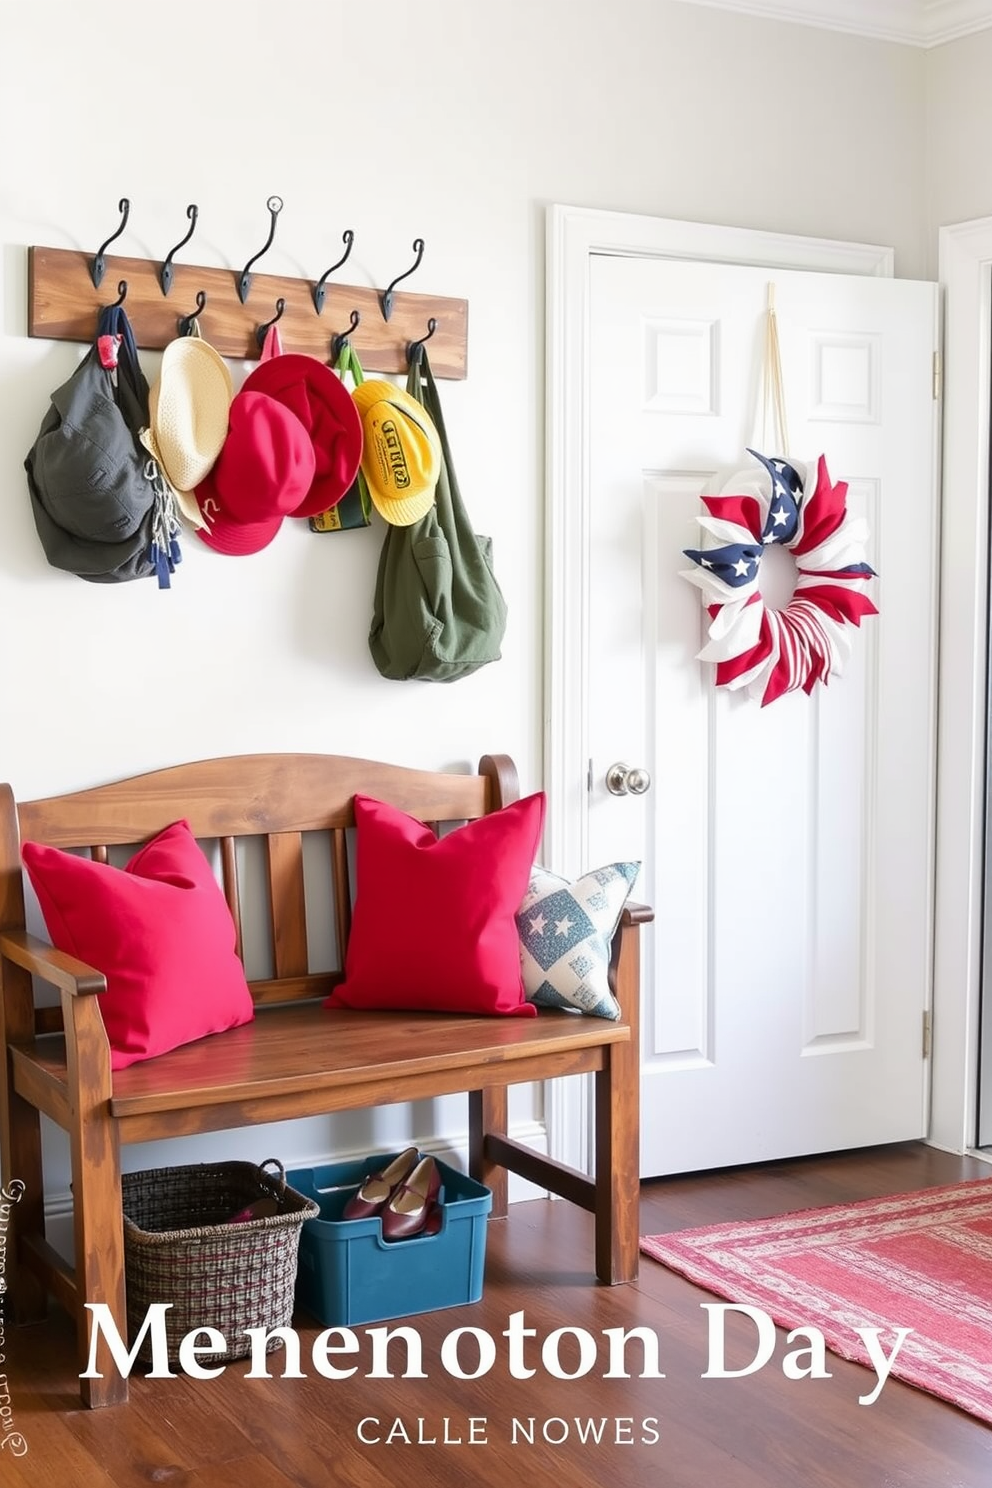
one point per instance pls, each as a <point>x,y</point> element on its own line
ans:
<point>376,1189</point>
<point>408,1209</point>
<point>432,1224</point>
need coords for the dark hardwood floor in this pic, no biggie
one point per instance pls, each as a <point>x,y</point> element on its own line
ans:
<point>763,1431</point>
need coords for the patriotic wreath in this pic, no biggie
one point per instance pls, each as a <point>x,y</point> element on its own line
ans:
<point>772,652</point>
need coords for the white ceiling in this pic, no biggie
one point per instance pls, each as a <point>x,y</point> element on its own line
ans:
<point>923,23</point>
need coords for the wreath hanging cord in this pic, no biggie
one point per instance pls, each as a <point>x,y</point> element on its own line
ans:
<point>772,386</point>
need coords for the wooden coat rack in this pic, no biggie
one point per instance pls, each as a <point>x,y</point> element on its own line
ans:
<point>63,304</point>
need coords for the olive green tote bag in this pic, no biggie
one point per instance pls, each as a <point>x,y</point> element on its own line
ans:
<point>438,612</point>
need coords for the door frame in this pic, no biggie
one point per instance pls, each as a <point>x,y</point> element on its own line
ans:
<point>965,272</point>
<point>574,236</point>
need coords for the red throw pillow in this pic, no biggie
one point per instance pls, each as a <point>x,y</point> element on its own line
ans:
<point>161,933</point>
<point>434,927</point>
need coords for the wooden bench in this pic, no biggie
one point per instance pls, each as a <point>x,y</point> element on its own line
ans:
<point>285,1064</point>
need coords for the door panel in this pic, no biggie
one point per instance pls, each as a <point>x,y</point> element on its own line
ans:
<point>787,849</point>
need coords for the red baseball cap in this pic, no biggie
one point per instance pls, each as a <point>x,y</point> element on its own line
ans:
<point>263,472</point>
<point>324,406</point>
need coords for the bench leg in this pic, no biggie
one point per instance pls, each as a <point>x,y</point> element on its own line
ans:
<point>21,1174</point>
<point>99,1249</point>
<point>22,1187</point>
<point>487,1113</point>
<point>98,1221</point>
<point>618,1166</point>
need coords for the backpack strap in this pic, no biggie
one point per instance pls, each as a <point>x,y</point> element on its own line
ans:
<point>113,323</point>
<point>420,384</point>
<point>119,353</point>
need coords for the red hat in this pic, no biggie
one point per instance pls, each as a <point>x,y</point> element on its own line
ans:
<point>263,472</point>
<point>325,408</point>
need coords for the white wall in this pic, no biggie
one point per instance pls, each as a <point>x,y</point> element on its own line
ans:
<point>958,135</point>
<point>446,119</point>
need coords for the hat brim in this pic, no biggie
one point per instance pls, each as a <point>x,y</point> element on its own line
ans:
<point>238,539</point>
<point>400,511</point>
<point>225,533</point>
<point>185,500</point>
<point>324,493</point>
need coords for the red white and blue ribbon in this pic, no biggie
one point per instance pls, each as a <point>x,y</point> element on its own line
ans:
<point>771,652</point>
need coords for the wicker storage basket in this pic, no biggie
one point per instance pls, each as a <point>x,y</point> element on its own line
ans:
<point>180,1247</point>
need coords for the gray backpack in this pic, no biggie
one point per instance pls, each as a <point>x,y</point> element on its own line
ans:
<point>100,506</point>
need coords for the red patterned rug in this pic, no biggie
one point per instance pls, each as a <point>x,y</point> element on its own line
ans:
<point>918,1261</point>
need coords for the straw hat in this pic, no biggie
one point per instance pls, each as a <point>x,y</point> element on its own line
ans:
<point>188,407</point>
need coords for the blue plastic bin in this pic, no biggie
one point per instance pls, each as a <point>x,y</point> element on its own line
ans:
<point>348,1274</point>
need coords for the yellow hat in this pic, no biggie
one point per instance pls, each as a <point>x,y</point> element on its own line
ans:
<point>401,454</point>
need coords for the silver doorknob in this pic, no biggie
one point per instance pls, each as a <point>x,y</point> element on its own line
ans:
<point>623,781</point>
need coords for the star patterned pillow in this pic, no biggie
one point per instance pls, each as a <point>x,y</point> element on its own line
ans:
<point>566,932</point>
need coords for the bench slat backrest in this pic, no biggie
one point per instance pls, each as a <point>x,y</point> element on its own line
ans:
<point>276,798</point>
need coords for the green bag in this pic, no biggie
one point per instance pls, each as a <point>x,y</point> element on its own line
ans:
<point>355,507</point>
<point>438,613</point>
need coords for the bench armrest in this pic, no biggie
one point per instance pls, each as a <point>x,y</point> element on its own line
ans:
<point>87,1048</point>
<point>66,972</point>
<point>625,961</point>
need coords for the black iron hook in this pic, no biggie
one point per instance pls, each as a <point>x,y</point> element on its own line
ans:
<point>166,276</point>
<point>121,294</point>
<point>262,331</point>
<point>274,205</point>
<point>347,237</point>
<point>386,299</point>
<point>99,265</point>
<point>415,350</point>
<point>340,341</point>
<point>187,322</point>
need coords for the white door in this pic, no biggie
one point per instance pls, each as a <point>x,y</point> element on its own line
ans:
<point>787,849</point>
